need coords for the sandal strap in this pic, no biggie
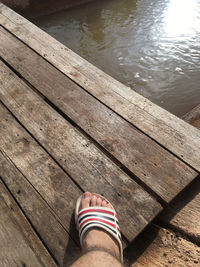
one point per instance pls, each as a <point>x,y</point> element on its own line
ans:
<point>104,218</point>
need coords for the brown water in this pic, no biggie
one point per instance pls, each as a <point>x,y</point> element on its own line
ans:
<point>152,46</point>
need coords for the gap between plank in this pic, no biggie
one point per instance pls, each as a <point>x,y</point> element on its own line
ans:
<point>81,131</point>
<point>42,146</point>
<point>51,210</point>
<point>180,158</point>
<point>123,237</point>
<point>38,235</point>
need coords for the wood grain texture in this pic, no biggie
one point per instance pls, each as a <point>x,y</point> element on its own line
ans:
<point>20,246</point>
<point>78,156</point>
<point>183,213</point>
<point>193,117</point>
<point>40,170</point>
<point>140,154</point>
<point>173,133</point>
<point>44,220</point>
<point>163,248</point>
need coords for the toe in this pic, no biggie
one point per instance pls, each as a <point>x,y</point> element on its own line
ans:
<point>109,205</point>
<point>93,201</point>
<point>99,202</point>
<point>85,201</point>
<point>104,203</point>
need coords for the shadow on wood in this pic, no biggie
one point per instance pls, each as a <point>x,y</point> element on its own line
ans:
<point>72,253</point>
<point>140,244</point>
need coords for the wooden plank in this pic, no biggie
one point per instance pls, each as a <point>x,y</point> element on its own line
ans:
<point>173,133</point>
<point>136,151</point>
<point>193,117</point>
<point>183,213</point>
<point>78,156</point>
<point>52,232</point>
<point>52,183</point>
<point>159,247</point>
<point>20,246</point>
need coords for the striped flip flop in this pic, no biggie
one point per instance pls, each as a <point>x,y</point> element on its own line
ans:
<point>104,218</point>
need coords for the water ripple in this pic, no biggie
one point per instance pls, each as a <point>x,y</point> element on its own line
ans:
<point>153,46</point>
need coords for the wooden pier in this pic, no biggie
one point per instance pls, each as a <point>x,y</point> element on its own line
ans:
<point>67,127</point>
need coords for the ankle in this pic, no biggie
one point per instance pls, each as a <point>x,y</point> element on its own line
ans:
<point>98,238</point>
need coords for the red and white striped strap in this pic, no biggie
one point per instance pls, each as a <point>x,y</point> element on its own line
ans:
<point>101,217</point>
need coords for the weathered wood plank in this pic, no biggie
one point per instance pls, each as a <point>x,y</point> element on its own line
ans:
<point>193,117</point>
<point>162,248</point>
<point>20,246</point>
<point>78,156</point>
<point>52,183</point>
<point>173,133</point>
<point>183,213</point>
<point>52,232</point>
<point>136,151</point>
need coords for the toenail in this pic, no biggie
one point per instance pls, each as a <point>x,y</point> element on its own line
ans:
<point>86,195</point>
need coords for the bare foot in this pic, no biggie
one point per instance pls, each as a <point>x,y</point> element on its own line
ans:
<point>96,237</point>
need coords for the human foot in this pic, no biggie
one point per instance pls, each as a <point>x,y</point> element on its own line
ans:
<point>96,236</point>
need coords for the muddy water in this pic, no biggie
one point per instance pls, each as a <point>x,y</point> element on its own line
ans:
<point>153,46</point>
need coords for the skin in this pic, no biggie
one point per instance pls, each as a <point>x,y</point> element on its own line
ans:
<point>99,247</point>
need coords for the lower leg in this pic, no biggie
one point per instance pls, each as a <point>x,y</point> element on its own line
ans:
<point>99,247</point>
<point>97,258</point>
